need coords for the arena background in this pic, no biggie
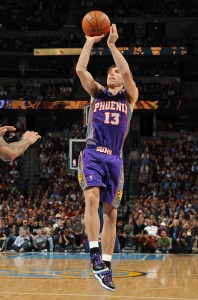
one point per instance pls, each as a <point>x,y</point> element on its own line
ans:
<point>40,42</point>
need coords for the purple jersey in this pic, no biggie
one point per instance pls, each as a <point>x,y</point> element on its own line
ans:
<point>100,164</point>
<point>103,170</point>
<point>109,120</point>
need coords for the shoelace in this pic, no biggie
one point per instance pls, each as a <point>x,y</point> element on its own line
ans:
<point>108,275</point>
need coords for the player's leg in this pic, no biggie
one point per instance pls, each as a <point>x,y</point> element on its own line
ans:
<point>111,198</point>
<point>92,226</point>
<point>109,231</point>
<point>91,216</point>
<point>108,243</point>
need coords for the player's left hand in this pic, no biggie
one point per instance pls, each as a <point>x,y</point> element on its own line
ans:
<point>113,35</point>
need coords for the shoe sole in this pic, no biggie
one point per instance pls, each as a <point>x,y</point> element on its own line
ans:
<point>98,272</point>
<point>103,285</point>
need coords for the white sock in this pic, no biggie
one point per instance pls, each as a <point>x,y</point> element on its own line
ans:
<point>93,244</point>
<point>106,257</point>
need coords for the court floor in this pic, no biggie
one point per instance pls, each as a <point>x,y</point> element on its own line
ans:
<point>58,276</point>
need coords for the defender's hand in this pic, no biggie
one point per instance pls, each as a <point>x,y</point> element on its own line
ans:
<point>4,129</point>
<point>31,136</point>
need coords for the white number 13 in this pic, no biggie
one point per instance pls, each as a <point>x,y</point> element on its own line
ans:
<point>112,118</point>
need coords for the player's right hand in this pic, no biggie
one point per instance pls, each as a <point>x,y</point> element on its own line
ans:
<point>94,39</point>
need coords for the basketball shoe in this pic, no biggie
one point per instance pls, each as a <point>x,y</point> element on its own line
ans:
<point>105,279</point>
<point>97,264</point>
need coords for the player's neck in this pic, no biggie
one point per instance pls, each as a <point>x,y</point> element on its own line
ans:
<point>115,90</point>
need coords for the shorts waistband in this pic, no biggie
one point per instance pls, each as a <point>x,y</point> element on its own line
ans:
<point>104,150</point>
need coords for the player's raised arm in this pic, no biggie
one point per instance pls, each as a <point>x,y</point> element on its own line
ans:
<point>87,81</point>
<point>122,65</point>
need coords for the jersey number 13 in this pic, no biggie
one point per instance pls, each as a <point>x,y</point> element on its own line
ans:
<point>112,118</point>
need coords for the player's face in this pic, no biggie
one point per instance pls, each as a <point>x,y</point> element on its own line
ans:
<point>114,78</point>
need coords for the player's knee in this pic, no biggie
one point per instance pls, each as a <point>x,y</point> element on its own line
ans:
<point>113,219</point>
<point>111,216</point>
<point>91,202</point>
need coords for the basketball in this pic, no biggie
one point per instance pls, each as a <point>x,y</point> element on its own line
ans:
<point>96,23</point>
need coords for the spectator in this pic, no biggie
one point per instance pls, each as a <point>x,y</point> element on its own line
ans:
<point>174,234</point>
<point>151,229</point>
<point>147,242</point>
<point>128,230</point>
<point>22,242</point>
<point>195,246</point>
<point>62,239</point>
<point>13,233</point>
<point>25,227</point>
<point>78,230</point>
<point>121,233</point>
<point>3,238</point>
<point>184,243</point>
<point>163,227</point>
<point>49,232</point>
<point>127,213</point>
<point>194,228</point>
<point>39,241</point>
<point>134,158</point>
<point>163,242</point>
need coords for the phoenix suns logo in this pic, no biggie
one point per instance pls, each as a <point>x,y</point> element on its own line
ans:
<point>80,178</point>
<point>119,195</point>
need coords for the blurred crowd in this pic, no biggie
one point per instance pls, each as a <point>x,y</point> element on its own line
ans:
<point>75,39</point>
<point>36,89</point>
<point>50,218</point>
<point>59,23</point>
<point>52,14</point>
<point>34,15</point>
<point>141,8</point>
<point>154,89</point>
<point>63,89</point>
<point>163,217</point>
<point>27,43</point>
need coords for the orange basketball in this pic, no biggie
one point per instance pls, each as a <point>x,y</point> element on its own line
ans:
<point>96,23</point>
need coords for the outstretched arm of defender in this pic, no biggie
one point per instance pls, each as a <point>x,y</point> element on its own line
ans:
<point>5,129</point>
<point>9,152</point>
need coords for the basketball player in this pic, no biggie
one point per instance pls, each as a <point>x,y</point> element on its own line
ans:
<point>100,171</point>
<point>9,151</point>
